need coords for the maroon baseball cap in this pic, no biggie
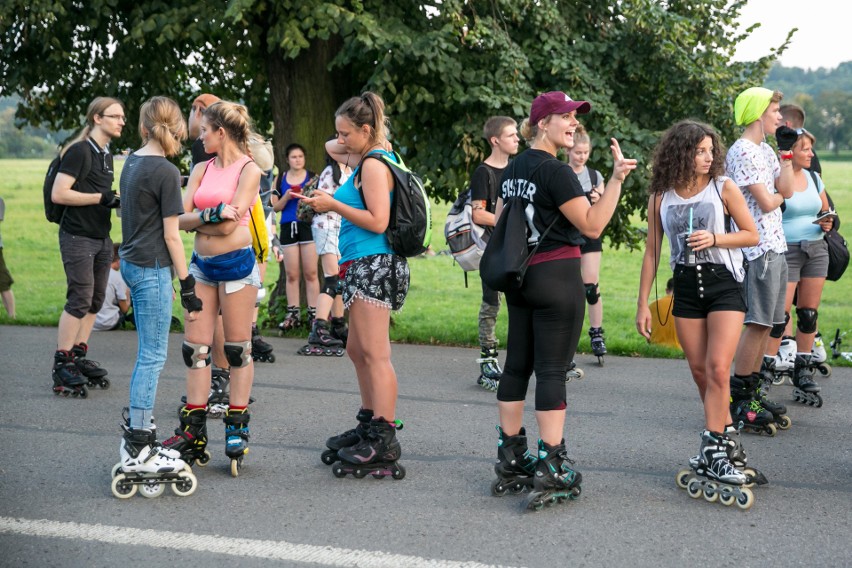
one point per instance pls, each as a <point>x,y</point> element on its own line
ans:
<point>555,102</point>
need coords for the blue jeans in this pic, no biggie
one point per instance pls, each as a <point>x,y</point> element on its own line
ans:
<point>151,294</point>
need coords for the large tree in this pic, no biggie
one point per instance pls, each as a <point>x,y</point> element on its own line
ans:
<point>443,67</point>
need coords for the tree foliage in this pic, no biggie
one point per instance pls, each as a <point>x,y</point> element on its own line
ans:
<point>443,67</point>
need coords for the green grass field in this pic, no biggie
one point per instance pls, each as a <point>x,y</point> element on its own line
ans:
<point>439,309</point>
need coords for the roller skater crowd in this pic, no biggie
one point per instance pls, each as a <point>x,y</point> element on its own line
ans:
<point>744,228</point>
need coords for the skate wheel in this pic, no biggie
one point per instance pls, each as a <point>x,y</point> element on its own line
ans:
<point>824,369</point>
<point>497,488</point>
<point>818,403</point>
<point>778,380</point>
<point>236,466</point>
<point>359,473</point>
<point>694,489</point>
<point>186,485</point>
<point>398,472</point>
<point>727,497</point>
<point>745,499</point>
<point>783,422</point>
<point>122,488</point>
<point>203,459</point>
<point>575,492</point>
<point>338,471</point>
<point>270,358</point>
<point>150,490</point>
<point>682,478</point>
<point>516,488</point>
<point>340,353</point>
<point>378,475</point>
<point>534,502</point>
<point>770,430</point>
<point>84,392</point>
<point>116,469</point>
<point>105,383</point>
<point>328,457</point>
<point>710,492</point>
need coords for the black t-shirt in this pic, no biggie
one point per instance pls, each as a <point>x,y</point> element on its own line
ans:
<point>91,221</point>
<point>198,153</point>
<point>553,183</point>
<point>483,187</point>
<point>150,192</point>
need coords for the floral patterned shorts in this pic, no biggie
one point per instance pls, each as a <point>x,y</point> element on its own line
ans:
<point>381,279</point>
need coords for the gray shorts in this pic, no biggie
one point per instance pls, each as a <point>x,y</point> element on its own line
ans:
<point>807,259</point>
<point>766,288</point>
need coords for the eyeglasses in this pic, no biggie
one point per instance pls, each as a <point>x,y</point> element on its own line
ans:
<point>119,117</point>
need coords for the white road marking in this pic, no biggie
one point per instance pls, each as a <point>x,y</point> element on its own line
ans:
<point>244,547</point>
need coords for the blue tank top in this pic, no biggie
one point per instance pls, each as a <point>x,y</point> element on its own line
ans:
<point>356,242</point>
<point>288,214</point>
<point>801,210</point>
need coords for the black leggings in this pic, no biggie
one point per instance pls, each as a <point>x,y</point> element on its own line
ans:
<point>545,322</point>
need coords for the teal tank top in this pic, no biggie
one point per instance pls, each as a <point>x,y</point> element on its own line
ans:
<point>356,242</point>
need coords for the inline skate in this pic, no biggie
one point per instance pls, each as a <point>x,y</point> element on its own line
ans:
<point>746,409</point>
<point>67,379</point>
<point>515,467</point>
<point>145,467</point>
<point>819,356</point>
<point>807,390</point>
<point>260,349</point>
<point>489,369</point>
<point>348,438</point>
<point>555,481</point>
<point>292,320</point>
<point>785,361</point>
<point>377,454</point>
<point>714,476</point>
<point>169,453</point>
<point>321,342</point>
<point>92,370</point>
<point>573,372</point>
<point>737,455</point>
<point>339,329</point>
<point>236,437</point>
<point>596,334</point>
<point>763,381</point>
<point>190,437</point>
<point>312,316</point>
<point>219,397</point>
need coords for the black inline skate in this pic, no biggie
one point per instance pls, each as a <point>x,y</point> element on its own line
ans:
<point>321,342</point>
<point>489,369</point>
<point>515,467</point>
<point>778,410</point>
<point>219,397</point>
<point>574,372</point>
<point>596,334</point>
<point>714,476</point>
<point>67,378</point>
<point>807,390</point>
<point>737,455</point>
<point>260,349</point>
<point>146,467</point>
<point>311,316</point>
<point>555,480</point>
<point>190,437</point>
<point>377,454</point>
<point>92,370</point>
<point>348,438</point>
<point>339,329</point>
<point>746,409</point>
<point>292,320</point>
<point>236,437</point>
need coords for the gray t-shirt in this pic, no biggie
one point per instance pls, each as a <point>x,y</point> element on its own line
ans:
<point>150,192</point>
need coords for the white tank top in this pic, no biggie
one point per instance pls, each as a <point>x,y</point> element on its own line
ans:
<point>708,214</point>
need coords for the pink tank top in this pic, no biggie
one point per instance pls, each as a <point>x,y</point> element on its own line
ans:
<point>219,186</point>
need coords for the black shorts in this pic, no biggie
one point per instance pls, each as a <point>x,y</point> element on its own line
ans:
<point>295,233</point>
<point>699,290</point>
<point>591,245</point>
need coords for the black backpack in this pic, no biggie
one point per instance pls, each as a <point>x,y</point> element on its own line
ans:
<point>409,229</point>
<point>54,211</point>
<point>838,250</point>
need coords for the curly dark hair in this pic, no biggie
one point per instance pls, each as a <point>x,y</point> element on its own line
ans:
<point>674,157</point>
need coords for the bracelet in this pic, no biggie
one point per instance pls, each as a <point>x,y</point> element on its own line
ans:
<point>786,155</point>
<point>714,239</point>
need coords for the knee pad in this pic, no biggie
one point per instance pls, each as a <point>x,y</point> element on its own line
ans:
<point>777,331</point>
<point>592,293</point>
<point>238,353</point>
<point>196,355</point>
<point>807,319</point>
<point>329,285</point>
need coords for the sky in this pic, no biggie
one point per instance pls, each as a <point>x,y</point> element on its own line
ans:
<point>822,39</point>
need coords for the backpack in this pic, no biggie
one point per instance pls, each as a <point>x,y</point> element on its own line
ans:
<point>409,229</point>
<point>54,211</point>
<point>465,238</point>
<point>838,251</point>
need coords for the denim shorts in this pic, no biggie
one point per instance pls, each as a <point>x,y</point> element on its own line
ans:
<point>766,289</point>
<point>253,279</point>
<point>705,288</point>
<point>807,259</point>
<point>326,233</point>
<point>381,279</point>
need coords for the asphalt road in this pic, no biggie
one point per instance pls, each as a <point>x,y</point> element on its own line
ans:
<point>631,425</point>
